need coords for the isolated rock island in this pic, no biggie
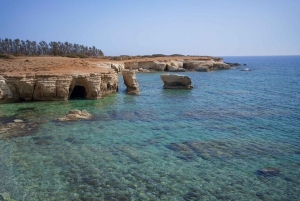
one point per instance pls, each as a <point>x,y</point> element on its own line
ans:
<point>173,81</point>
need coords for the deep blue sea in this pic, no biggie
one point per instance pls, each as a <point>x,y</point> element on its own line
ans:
<point>206,143</point>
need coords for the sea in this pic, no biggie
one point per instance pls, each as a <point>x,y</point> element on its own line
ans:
<point>234,136</point>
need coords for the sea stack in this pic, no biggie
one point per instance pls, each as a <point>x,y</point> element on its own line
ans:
<point>131,82</point>
<point>174,81</point>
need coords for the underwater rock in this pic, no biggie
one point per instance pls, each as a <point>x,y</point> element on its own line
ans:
<point>178,147</point>
<point>75,115</point>
<point>5,197</point>
<point>268,172</point>
<point>69,139</point>
<point>131,82</point>
<point>17,128</point>
<point>18,121</point>
<point>173,81</point>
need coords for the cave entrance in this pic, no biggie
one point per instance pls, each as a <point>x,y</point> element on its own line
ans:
<point>78,92</point>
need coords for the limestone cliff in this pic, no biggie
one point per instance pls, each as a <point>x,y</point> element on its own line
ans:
<point>193,65</point>
<point>179,65</point>
<point>56,86</point>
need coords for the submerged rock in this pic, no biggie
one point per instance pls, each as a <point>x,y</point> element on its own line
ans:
<point>268,172</point>
<point>5,197</point>
<point>74,115</point>
<point>173,81</point>
<point>18,121</point>
<point>131,82</point>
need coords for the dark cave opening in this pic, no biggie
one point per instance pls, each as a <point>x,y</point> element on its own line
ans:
<point>78,92</point>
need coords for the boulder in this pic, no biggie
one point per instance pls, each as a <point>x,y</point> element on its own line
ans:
<point>130,81</point>
<point>173,81</point>
<point>75,115</point>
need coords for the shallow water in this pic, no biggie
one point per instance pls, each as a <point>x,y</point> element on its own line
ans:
<point>201,144</point>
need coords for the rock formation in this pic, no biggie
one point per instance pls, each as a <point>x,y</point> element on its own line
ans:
<point>118,67</point>
<point>75,115</point>
<point>179,65</point>
<point>173,65</point>
<point>173,81</point>
<point>210,65</point>
<point>56,86</point>
<point>130,81</point>
<point>5,92</point>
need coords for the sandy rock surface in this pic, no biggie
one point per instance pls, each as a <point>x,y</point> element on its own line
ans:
<point>74,115</point>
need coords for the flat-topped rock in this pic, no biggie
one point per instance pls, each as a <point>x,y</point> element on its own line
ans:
<point>174,81</point>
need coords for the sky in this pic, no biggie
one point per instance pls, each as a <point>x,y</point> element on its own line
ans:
<point>141,27</point>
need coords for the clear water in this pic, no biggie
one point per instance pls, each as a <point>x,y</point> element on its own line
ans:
<point>201,144</point>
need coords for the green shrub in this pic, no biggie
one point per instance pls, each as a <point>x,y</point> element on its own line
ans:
<point>4,56</point>
<point>76,56</point>
<point>158,55</point>
<point>177,55</point>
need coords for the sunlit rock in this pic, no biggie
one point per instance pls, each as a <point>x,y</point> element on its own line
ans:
<point>131,82</point>
<point>56,86</point>
<point>174,81</point>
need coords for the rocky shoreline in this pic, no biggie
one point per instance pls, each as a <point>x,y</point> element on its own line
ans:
<point>60,78</point>
<point>170,65</point>
<point>37,87</point>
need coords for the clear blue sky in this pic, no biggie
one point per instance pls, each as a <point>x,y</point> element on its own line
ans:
<point>191,27</point>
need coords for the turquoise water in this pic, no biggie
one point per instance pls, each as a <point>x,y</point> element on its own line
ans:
<point>201,144</point>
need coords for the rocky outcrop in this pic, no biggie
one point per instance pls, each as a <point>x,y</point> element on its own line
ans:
<point>175,66</point>
<point>5,92</point>
<point>74,115</point>
<point>131,65</point>
<point>130,81</point>
<point>173,81</point>
<point>56,86</point>
<point>209,65</point>
<point>180,65</point>
<point>146,65</point>
<point>118,67</point>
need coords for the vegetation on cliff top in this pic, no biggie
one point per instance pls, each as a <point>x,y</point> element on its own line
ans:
<point>19,47</point>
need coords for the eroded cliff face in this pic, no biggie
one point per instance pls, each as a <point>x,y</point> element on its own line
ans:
<point>56,86</point>
<point>179,65</point>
